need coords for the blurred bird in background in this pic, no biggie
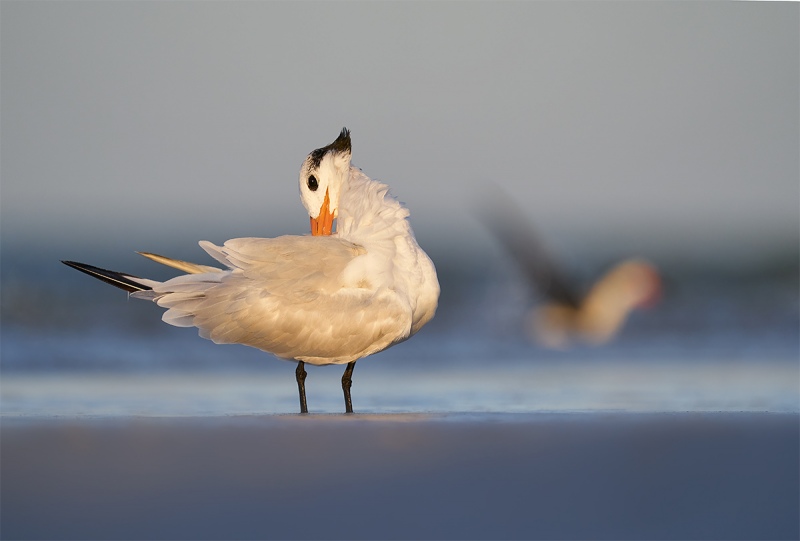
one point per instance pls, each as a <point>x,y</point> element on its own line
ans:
<point>567,314</point>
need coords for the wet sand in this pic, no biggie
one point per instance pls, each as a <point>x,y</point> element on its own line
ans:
<point>464,476</point>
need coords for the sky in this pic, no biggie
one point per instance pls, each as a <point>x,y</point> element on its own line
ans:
<point>660,128</point>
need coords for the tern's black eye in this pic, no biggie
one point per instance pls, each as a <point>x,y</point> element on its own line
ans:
<point>312,183</point>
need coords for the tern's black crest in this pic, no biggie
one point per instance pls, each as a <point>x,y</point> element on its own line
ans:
<point>341,145</point>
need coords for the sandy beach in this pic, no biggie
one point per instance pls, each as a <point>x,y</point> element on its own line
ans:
<point>403,476</point>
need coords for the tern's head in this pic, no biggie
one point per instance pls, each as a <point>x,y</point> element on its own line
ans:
<point>322,175</point>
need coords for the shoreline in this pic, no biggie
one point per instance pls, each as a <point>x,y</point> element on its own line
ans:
<point>521,388</point>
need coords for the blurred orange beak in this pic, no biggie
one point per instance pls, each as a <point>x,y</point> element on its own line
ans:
<point>323,224</point>
<point>653,286</point>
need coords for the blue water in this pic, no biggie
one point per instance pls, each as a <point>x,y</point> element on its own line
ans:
<point>714,344</point>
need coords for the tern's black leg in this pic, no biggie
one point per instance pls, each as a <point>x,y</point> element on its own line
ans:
<point>300,374</point>
<point>347,382</point>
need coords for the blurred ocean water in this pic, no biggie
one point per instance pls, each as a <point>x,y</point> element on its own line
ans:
<point>715,343</point>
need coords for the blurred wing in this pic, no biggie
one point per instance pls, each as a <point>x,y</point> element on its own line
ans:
<point>510,228</point>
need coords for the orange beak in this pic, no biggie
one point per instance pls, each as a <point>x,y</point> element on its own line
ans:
<point>323,224</point>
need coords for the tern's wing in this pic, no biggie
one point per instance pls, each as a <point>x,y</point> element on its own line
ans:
<point>287,296</point>
<point>127,282</point>
<point>185,266</point>
<point>511,229</point>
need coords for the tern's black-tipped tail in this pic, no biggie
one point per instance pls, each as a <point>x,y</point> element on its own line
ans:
<point>123,281</point>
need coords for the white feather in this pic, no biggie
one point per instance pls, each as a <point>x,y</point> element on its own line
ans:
<point>323,300</point>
